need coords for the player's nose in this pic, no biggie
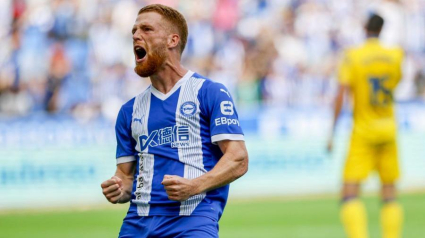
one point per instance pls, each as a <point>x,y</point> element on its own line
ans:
<point>136,36</point>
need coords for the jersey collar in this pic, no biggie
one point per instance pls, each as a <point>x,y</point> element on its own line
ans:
<point>372,40</point>
<point>181,81</point>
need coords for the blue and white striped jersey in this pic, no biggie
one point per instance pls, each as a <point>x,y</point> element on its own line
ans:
<point>176,134</point>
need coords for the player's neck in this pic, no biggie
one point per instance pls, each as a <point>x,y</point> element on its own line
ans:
<point>372,34</point>
<point>165,79</point>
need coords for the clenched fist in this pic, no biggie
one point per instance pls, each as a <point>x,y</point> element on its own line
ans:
<point>112,189</point>
<point>178,188</point>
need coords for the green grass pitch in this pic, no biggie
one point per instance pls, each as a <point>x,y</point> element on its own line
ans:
<point>268,217</point>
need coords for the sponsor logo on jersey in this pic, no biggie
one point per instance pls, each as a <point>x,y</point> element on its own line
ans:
<point>226,121</point>
<point>140,120</point>
<point>177,136</point>
<point>224,91</point>
<point>226,108</point>
<point>188,109</point>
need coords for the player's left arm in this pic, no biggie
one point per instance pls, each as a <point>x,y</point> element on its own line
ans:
<point>232,165</point>
<point>225,131</point>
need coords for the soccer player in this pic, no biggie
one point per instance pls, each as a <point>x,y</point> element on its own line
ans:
<point>370,74</point>
<point>179,143</point>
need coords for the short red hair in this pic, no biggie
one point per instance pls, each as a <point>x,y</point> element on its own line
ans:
<point>174,17</point>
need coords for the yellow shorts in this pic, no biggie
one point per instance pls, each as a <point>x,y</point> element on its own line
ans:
<point>365,157</point>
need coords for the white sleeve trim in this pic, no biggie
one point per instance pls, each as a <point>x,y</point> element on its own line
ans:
<point>125,159</point>
<point>220,137</point>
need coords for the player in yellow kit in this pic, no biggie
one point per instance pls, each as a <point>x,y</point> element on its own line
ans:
<point>370,73</point>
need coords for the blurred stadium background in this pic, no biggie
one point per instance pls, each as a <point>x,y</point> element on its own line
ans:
<point>66,66</point>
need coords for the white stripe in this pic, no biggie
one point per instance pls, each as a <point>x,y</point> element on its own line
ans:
<point>125,159</point>
<point>191,156</point>
<point>146,161</point>
<point>220,137</point>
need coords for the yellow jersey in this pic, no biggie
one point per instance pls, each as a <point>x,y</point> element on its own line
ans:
<point>372,73</point>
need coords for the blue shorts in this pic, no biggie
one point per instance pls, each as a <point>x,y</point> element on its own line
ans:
<point>169,226</point>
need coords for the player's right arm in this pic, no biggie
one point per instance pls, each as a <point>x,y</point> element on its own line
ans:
<point>344,79</point>
<point>338,102</point>
<point>118,188</point>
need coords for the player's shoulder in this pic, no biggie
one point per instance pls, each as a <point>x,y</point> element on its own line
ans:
<point>392,50</point>
<point>355,48</point>
<point>352,49</point>
<point>128,105</point>
<point>126,110</point>
<point>124,114</point>
<point>350,53</point>
<point>348,56</point>
<point>396,51</point>
<point>206,80</point>
<point>208,83</point>
<point>210,90</point>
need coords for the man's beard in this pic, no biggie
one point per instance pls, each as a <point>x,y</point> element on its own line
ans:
<point>153,62</point>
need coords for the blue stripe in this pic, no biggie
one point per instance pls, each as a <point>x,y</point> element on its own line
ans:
<point>162,115</point>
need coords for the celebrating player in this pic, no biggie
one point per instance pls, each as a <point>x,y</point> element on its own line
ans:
<point>179,142</point>
<point>370,73</point>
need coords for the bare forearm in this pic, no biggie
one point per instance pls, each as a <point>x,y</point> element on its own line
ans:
<point>337,111</point>
<point>339,99</point>
<point>232,165</point>
<point>126,174</point>
<point>127,185</point>
<point>228,169</point>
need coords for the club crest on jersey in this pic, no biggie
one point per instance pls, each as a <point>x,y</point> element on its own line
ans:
<point>188,109</point>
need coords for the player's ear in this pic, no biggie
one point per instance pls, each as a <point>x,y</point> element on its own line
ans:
<point>173,40</point>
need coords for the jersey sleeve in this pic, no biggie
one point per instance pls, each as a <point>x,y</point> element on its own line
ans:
<point>125,143</point>
<point>223,117</point>
<point>345,70</point>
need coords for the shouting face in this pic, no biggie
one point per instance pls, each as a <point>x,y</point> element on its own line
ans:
<point>149,43</point>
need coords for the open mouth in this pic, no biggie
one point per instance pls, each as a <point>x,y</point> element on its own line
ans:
<point>140,53</point>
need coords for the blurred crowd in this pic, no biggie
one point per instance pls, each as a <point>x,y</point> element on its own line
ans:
<point>75,56</point>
